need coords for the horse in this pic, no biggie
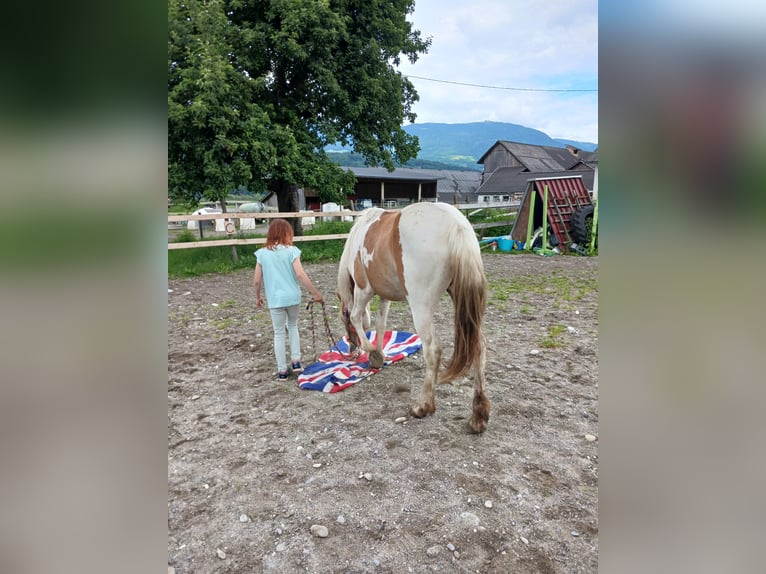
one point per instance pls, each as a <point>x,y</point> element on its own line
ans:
<point>416,254</point>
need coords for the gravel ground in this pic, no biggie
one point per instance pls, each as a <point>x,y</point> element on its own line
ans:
<point>265,477</point>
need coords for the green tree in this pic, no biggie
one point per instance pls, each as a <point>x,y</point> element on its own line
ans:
<point>257,89</point>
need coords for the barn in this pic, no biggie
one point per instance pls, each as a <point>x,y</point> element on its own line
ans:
<point>508,167</point>
<point>407,185</point>
<point>376,186</point>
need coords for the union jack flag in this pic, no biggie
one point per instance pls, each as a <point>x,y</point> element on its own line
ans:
<point>334,372</point>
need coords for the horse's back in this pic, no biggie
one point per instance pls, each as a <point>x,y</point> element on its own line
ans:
<point>433,230</point>
<point>429,239</point>
<point>434,238</point>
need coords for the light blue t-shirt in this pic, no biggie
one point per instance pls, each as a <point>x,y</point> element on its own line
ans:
<point>282,288</point>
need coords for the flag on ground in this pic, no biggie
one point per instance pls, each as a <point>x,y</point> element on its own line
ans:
<point>334,371</point>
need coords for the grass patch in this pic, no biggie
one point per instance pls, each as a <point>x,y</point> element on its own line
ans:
<point>554,337</point>
<point>223,324</point>
<point>329,228</point>
<point>183,318</point>
<point>185,236</point>
<point>492,215</point>
<point>551,291</point>
<point>504,288</point>
<point>488,214</point>
<point>554,288</point>
<point>202,260</point>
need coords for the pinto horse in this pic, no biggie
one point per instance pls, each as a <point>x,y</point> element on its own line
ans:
<point>415,255</point>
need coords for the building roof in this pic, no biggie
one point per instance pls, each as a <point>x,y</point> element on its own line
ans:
<point>537,157</point>
<point>507,180</point>
<point>400,173</point>
<point>454,183</point>
<point>448,182</point>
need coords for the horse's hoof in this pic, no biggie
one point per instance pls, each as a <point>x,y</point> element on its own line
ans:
<point>376,359</point>
<point>480,414</point>
<point>420,411</point>
<point>477,425</point>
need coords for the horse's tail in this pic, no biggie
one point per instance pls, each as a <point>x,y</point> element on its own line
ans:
<point>468,290</point>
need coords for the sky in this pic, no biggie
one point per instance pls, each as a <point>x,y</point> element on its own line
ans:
<point>530,44</point>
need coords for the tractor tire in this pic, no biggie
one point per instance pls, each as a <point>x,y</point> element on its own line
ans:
<point>581,225</point>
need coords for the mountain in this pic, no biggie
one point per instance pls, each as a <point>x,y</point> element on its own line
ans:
<point>459,146</point>
<point>587,146</point>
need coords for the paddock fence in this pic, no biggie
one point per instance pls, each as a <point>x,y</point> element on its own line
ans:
<point>230,220</point>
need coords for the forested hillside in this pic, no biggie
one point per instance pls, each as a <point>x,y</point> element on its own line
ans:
<point>459,146</point>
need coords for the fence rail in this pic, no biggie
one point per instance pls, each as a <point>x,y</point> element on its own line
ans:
<point>249,241</point>
<point>301,214</point>
<point>262,215</point>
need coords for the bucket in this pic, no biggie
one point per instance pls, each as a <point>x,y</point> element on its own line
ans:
<point>505,244</point>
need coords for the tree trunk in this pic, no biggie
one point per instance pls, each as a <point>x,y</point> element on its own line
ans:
<point>287,201</point>
<point>234,254</point>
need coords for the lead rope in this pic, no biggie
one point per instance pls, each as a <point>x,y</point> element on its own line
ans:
<point>328,332</point>
<point>333,341</point>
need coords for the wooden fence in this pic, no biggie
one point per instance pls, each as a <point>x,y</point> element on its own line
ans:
<point>302,214</point>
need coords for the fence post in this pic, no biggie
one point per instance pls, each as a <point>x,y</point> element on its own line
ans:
<point>530,219</point>
<point>545,217</point>
<point>594,228</point>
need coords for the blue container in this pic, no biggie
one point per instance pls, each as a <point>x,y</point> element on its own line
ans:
<point>505,244</point>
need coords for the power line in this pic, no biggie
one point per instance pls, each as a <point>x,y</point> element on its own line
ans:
<point>494,87</point>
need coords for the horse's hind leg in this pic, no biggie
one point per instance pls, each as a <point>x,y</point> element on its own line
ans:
<point>432,352</point>
<point>377,358</point>
<point>480,414</point>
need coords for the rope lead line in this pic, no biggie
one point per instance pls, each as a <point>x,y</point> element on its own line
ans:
<point>328,332</point>
<point>333,341</point>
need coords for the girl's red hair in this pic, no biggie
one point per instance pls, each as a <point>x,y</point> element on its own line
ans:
<point>280,233</point>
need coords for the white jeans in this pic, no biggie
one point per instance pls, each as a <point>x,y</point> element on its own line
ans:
<point>279,317</point>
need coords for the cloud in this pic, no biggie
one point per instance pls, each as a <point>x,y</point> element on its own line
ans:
<point>519,44</point>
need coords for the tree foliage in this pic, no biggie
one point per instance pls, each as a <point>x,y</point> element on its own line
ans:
<point>257,89</point>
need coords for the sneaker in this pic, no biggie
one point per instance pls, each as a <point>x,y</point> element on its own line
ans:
<point>296,367</point>
<point>282,375</point>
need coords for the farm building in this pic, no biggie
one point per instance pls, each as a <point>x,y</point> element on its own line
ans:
<point>379,187</point>
<point>407,185</point>
<point>508,167</point>
<point>534,158</point>
<point>510,183</point>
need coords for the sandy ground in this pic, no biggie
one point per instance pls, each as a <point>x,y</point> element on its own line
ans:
<point>255,463</point>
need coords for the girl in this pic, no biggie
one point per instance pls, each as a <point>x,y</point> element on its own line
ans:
<point>279,269</point>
